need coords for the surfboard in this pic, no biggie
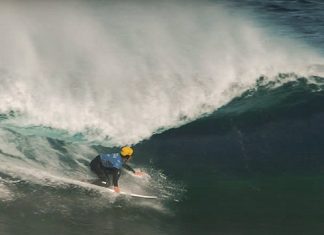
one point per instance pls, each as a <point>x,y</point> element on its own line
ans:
<point>98,183</point>
<point>133,194</point>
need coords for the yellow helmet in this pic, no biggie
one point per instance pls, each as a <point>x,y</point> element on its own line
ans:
<point>126,151</point>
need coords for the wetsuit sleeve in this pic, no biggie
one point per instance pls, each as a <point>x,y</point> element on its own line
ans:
<point>128,167</point>
<point>115,175</point>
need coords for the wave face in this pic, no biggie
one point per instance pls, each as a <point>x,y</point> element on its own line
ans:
<point>268,114</point>
<point>222,101</point>
<point>256,161</point>
<point>265,125</point>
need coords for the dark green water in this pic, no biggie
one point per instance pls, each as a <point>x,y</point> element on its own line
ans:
<point>251,169</point>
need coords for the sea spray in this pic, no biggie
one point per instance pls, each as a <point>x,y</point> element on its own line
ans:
<point>120,71</point>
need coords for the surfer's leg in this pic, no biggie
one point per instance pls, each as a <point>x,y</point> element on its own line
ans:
<point>98,168</point>
<point>113,174</point>
<point>108,174</point>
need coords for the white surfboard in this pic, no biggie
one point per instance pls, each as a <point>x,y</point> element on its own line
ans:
<point>122,193</point>
<point>133,194</point>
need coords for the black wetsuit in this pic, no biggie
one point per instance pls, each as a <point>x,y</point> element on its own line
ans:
<point>105,173</point>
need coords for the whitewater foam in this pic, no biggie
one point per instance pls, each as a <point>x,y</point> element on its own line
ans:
<point>120,71</point>
<point>5,193</point>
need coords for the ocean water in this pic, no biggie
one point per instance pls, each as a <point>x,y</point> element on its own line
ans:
<point>221,100</point>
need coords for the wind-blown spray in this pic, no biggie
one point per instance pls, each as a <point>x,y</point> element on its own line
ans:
<point>122,71</point>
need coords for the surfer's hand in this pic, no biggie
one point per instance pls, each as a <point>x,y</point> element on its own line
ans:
<point>139,173</point>
<point>117,189</point>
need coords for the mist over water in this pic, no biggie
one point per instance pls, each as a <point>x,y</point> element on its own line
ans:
<point>121,71</point>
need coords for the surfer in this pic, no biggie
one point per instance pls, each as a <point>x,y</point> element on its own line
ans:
<point>107,165</point>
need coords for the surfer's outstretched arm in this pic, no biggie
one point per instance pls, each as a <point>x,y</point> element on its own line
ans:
<point>128,167</point>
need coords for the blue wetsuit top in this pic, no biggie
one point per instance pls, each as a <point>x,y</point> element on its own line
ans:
<point>114,162</point>
<point>111,160</point>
